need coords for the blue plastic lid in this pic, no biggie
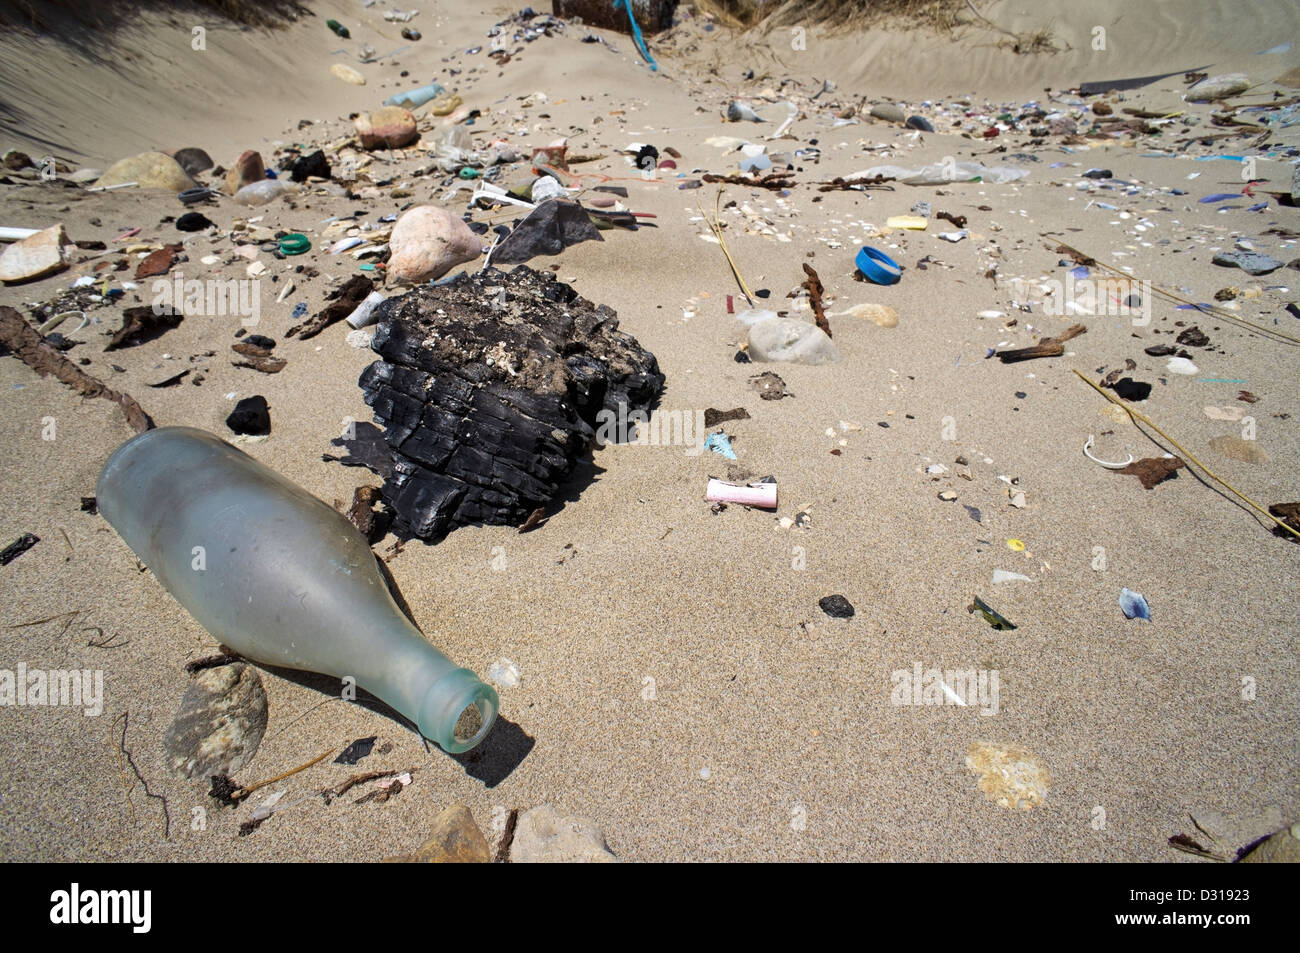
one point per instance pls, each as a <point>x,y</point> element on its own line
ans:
<point>878,266</point>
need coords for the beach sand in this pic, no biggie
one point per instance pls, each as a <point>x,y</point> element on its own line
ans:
<point>672,690</point>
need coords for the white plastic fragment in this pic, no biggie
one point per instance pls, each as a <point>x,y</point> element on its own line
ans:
<point>364,313</point>
<point>504,673</point>
<point>756,494</point>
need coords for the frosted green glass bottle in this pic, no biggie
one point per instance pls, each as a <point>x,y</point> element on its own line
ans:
<point>281,578</point>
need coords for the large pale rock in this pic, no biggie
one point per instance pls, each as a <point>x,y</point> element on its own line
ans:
<point>36,256</point>
<point>544,836</point>
<point>456,839</point>
<point>219,725</point>
<point>150,170</point>
<point>791,341</point>
<point>248,169</point>
<point>427,242</point>
<point>386,127</point>
<point>1282,848</point>
<point>348,74</point>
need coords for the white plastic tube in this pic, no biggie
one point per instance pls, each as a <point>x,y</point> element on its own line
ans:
<point>364,314</point>
<point>759,494</point>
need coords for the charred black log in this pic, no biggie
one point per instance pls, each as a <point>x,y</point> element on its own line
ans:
<point>490,389</point>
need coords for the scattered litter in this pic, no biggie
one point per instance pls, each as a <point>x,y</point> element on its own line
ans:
<point>504,672</point>
<point>1134,605</point>
<point>836,606</point>
<point>761,494</point>
<point>357,750</point>
<point>769,386</point>
<point>991,616</point>
<point>17,548</point>
<point>719,444</point>
<point>1153,470</point>
<point>1087,448</point>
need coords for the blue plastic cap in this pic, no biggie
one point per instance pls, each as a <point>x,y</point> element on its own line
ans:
<point>878,266</point>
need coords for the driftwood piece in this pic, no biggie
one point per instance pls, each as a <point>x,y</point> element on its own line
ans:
<point>1047,347</point>
<point>840,184</point>
<point>142,324</point>
<point>813,284</point>
<point>775,181</point>
<point>346,297</point>
<point>258,358</point>
<point>28,345</point>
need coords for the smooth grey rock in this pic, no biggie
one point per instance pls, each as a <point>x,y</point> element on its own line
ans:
<point>193,160</point>
<point>1252,263</point>
<point>219,724</point>
<point>544,836</point>
<point>889,112</point>
<point>791,341</point>
<point>1218,87</point>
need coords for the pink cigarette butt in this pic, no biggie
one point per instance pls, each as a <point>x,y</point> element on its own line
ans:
<point>759,494</point>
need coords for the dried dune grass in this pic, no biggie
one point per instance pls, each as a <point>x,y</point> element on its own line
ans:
<point>836,14</point>
<point>849,15</point>
<point>56,16</point>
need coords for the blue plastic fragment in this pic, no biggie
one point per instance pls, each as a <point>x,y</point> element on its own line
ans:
<point>718,443</point>
<point>1134,605</point>
<point>1258,208</point>
<point>299,309</point>
<point>1218,197</point>
<point>1080,272</point>
<point>636,34</point>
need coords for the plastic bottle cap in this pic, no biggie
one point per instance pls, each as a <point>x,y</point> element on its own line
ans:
<point>294,244</point>
<point>878,266</point>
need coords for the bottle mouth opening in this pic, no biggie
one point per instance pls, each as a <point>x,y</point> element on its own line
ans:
<point>459,715</point>
<point>473,724</point>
